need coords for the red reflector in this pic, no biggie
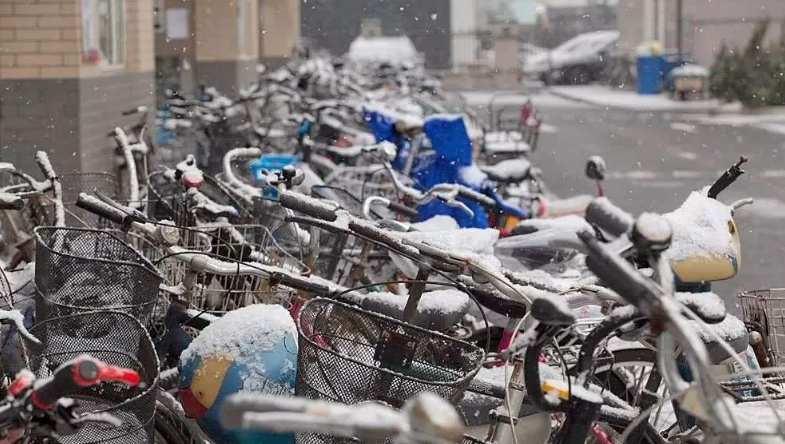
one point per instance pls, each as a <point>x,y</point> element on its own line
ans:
<point>193,408</point>
<point>193,179</point>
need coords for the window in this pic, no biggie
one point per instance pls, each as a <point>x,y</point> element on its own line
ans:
<point>103,36</point>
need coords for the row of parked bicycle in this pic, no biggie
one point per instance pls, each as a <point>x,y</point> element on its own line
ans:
<point>362,265</point>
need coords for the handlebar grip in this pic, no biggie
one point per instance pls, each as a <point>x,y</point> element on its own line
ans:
<point>301,284</point>
<point>72,376</point>
<point>42,159</point>
<point>403,210</point>
<point>308,205</point>
<point>618,274</point>
<point>474,196</point>
<point>608,217</point>
<point>11,202</point>
<point>95,206</point>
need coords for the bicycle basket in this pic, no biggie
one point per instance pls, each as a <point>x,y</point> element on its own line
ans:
<point>115,338</point>
<point>350,355</point>
<point>79,270</point>
<point>765,310</point>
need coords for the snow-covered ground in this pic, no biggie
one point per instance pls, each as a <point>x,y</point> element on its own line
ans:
<point>773,123</point>
<point>500,98</point>
<point>599,95</point>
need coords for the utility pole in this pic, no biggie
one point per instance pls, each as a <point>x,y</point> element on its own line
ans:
<point>679,18</point>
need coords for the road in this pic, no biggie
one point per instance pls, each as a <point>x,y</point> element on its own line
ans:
<point>656,159</point>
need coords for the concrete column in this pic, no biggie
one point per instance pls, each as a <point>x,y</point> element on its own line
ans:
<point>280,30</point>
<point>227,43</point>
<point>54,96</point>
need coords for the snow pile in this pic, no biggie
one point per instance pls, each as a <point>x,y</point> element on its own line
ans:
<point>700,229</point>
<point>243,336</point>
<point>708,304</point>
<point>469,240</point>
<point>394,50</point>
<point>509,170</point>
<point>437,223</point>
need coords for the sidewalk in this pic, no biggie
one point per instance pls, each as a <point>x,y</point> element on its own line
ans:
<point>630,100</point>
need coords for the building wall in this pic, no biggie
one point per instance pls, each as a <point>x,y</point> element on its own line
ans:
<point>334,24</point>
<point>51,99</point>
<point>227,43</point>
<point>464,29</point>
<point>280,30</point>
<point>707,24</point>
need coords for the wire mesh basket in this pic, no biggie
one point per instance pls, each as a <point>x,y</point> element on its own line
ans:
<point>765,310</point>
<point>365,181</point>
<point>115,338</point>
<point>214,294</point>
<point>171,202</point>
<point>79,270</point>
<point>350,355</point>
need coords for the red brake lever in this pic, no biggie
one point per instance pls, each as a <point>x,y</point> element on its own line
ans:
<point>88,372</point>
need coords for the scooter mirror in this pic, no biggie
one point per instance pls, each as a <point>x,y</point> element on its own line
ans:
<point>595,168</point>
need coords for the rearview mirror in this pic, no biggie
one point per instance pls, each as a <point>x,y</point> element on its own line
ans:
<point>595,168</point>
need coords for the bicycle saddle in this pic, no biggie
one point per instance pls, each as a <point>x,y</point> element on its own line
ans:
<point>708,306</point>
<point>552,310</point>
<point>438,310</point>
<point>508,171</point>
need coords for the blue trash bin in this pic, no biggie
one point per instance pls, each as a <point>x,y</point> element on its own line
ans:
<point>650,74</point>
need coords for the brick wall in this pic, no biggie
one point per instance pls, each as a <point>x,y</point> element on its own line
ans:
<point>39,39</point>
<point>51,100</point>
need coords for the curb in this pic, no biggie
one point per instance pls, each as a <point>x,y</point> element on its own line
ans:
<point>705,110</point>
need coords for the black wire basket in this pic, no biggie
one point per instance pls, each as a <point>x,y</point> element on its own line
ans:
<point>115,338</point>
<point>350,355</point>
<point>80,270</point>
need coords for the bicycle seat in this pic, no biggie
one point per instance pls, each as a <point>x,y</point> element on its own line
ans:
<point>438,310</point>
<point>732,330</point>
<point>499,303</point>
<point>708,306</point>
<point>552,310</point>
<point>508,171</point>
<point>566,223</point>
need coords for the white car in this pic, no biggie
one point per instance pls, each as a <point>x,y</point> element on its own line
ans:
<point>578,60</point>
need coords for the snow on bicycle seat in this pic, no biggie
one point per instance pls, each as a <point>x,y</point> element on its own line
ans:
<point>732,330</point>
<point>708,306</point>
<point>508,171</point>
<point>437,310</point>
<point>505,142</point>
<point>570,223</point>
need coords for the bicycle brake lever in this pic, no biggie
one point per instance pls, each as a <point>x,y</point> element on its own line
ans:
<point>16,318</point>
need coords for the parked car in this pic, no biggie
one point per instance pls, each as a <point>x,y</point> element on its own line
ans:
<point>576,61</point>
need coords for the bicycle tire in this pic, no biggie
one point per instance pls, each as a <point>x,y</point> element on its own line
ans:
<point>170,426</point>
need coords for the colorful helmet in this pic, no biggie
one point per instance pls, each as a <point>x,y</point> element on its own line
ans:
<point>253,349</point>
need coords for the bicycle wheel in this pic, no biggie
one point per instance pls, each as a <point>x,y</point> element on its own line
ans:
<point>171,426</point>
<point>633,376</point>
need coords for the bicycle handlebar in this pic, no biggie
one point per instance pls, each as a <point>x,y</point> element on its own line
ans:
<point>308,205</point>
<point>74,375</point>
<point>610,218</point>
<point>11,202</point>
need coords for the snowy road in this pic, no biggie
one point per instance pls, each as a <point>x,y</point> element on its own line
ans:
<point>656,158</point>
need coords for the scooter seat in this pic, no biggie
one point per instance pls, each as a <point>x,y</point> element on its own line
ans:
<point>732,330</point>
<point>437,310</point>
<point>508,171</point>
<point>505,142</point>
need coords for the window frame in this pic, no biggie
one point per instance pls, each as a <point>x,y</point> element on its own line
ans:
<point>91,34</point>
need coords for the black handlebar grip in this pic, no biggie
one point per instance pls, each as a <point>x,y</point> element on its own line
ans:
<point>308,205</point>
<point>475,196</point>
<point>302,284</point>
<point>61,384</point>
<point>618,274</point>
<point>609,217</point>
<point>403,210</point>
<point>97,207</point>
<point>11,202</point>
